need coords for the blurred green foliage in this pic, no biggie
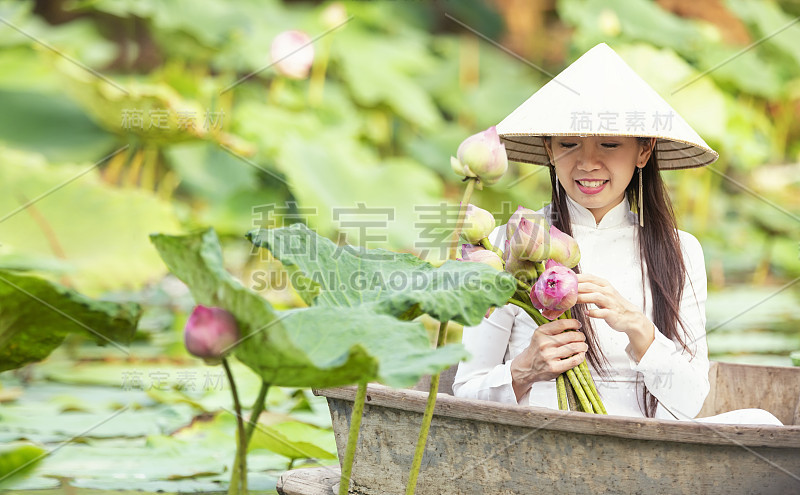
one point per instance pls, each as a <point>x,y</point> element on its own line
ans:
<point>119,118</point>
<point>198,129</point>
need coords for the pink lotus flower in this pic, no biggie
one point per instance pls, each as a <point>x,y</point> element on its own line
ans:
<point>292,54</point>
<point>521,269</point>
<point>531,241</point>
<point>478,224</point>
<point>563,248</point>
<point>555,291</point>
<point>513,221</point>
<point>481,155</point>
<point>210,333</point>
<point>480,255</point>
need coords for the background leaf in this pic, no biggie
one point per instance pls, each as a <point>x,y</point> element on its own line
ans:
<point>36,315</point>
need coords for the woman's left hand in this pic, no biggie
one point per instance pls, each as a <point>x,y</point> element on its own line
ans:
<point>619,313</point>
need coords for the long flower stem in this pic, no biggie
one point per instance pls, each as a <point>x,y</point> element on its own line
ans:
<point>586,389</point>
<point>257,409</point>
<point>462,213</point>
<point>427,417</point>
<point>533,312</point>
<point>524,286</point>
<point>584,368</point>
<point>576,385</point>
<point>352,438</point>
<point>488,245</point>
<point>572,399</point>
<point>238,483</point>
<point>561,389</point>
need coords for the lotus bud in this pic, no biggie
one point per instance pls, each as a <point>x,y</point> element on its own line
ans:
<point>555,291</point>
<point>478,224</point>
<point>530,241</point>
<point>467,249</point>
<point>563,248</point>
<point>292,54</point>
<point>210,333</point>
<point>484,256</point>
<point>523,270</point>
<point>521,212</point>
<point>481,155</point>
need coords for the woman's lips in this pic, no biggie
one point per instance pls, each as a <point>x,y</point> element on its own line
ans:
<point>591,190</point>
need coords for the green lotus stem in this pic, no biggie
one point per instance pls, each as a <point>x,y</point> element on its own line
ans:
<point>316,83</point>
<point>561,388</point>
<point>239,472</point>
<point>525,286</point>
<point>352,438</point>
<point>276,87</point>
<point>539,268</point>
<point>584,368</point>
<point>488,245</point>
<point>576,385</point>
<point>572,399</point>
<point>257,409</point>
<point>533,312</point>
<point>462,213</point>
<point>586,389</point>
<point>427,417</point>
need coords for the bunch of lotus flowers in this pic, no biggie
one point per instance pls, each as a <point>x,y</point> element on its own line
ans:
<point>541,258</point>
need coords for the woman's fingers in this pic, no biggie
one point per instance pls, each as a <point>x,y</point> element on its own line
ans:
<point>570,349</point>
<point>556,327</point>
<point>591,278</point>
<point>600,300</point>
<point>558,365</point>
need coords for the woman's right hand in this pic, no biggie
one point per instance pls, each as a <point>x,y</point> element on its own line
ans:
<point>543,359</point>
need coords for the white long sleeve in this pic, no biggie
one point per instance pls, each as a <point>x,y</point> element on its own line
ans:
<point>677,378</point>
<point>679,381</point>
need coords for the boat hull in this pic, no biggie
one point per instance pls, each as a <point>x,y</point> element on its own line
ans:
<point>491,448</point>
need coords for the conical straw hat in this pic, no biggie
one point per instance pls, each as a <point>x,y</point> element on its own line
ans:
<point>600,95</point>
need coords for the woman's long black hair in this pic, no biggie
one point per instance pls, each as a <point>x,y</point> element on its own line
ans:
<point>659,247</point>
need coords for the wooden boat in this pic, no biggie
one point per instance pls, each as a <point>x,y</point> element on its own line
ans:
<point>479,447</point>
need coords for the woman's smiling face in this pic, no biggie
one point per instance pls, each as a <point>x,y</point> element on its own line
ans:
<point>595,170</point>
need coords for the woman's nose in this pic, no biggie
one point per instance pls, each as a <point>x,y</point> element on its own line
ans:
<point>586,157</point>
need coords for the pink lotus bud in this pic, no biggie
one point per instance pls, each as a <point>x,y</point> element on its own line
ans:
<point>563,248</point>
<point>478,224</point>
<point>467,249</point>
<point>292,54</point>
<point>521,212</point>
<point>210,333</point>
<point>555,291</point>
<point>523,270</point>
<point>481,155</point>
<point>481,255</point>
<point>530,242</point>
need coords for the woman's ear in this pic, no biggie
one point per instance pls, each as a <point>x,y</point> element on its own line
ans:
<point>644,153</point>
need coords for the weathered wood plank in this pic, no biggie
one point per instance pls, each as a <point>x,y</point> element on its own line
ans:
<point>310,481</point>
<point>577,422</point>
<point>774,388</point>
<point>489,456</point>
<point>493,448</point>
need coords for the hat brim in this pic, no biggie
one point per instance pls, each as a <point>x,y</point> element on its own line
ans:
<point>672,154</point>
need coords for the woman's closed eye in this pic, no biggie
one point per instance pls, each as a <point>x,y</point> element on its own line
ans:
<point>567,145</point>
<point>610,145</point>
